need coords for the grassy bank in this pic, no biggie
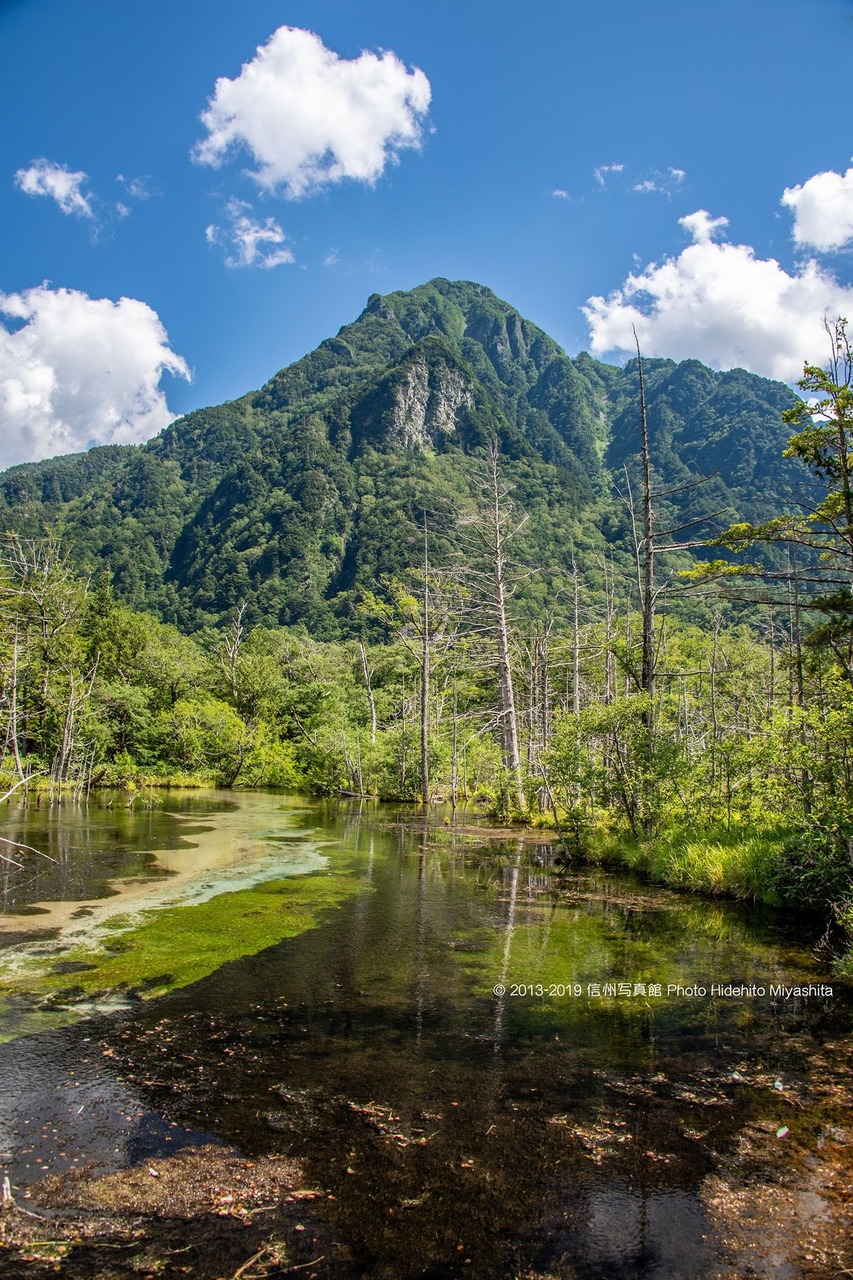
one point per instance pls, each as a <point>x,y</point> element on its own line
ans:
<point>780,866</point>
<point>736,863</point>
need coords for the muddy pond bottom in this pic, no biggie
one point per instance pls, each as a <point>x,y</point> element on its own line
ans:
<point>480,1063</point>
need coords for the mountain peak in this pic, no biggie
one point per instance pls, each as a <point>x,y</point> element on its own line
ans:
<point>304,493</point>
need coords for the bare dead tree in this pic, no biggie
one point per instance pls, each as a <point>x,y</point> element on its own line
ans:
<point>647,547</point>
<point>368,686</point>
<point>487,538</point>
<point>232,643</point>
<point>425,673</point>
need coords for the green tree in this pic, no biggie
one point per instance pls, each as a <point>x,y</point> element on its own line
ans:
<point>821,532</point>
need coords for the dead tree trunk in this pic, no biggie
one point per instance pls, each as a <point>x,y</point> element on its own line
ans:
<point>425,676</point>
<point>506,694</point>
<point>647,591</point>
<point>368,685</point>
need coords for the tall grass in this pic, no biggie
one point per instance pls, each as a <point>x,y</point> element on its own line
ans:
<point>737,863</point>
<point>731,863</point>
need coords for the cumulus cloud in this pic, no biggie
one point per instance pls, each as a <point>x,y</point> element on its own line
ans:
<point>310,118</point>
<point>823,210</point>
<point>45,178</point>
<point>77,371</point>
<point>719,303</point>
<point>250,243</point>
<point>561,194</point>
<point>701,227</point>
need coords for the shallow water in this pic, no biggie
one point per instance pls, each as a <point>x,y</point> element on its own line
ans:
<point>423,1016</point>
<point>87,862</point>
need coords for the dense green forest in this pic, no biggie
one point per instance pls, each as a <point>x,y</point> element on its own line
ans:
<point>437,559</point>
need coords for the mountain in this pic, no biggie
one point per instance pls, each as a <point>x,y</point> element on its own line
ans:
<point>299,496</point>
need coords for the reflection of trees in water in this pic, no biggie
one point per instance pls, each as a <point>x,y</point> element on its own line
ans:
<point>83,848</point>
<point>508,930</point>
<point>630,1232</point>
<point>421,970</point>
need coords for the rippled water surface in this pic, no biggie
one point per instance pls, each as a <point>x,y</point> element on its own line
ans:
<point>475,1052</point>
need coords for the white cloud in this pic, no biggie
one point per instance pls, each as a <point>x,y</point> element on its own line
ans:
<point>139,188</point>
<point>600,174</point>
<point>661,183</point>
<point>253,244</point>
<point>823,210</point>
<point>310,118</point>
<point>701,227</point>
<point>77,371</point>
<point>44,178</point>
<point>561,194</point>
<point>721,304</point>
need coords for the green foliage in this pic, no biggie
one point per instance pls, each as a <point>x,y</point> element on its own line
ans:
<point>726,426</point>
<point>201,735</point>
<point>740,863</point>
<point>818,536</point>
<point>814,868</point>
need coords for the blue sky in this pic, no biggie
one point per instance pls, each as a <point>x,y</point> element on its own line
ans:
<point>556,151</point>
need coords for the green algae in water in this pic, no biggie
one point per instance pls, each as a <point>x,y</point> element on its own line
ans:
<point>161,950</point>
<point>585,955</point>
<point>247,880</point>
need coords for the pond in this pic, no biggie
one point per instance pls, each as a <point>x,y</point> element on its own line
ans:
<point>488,1064</point>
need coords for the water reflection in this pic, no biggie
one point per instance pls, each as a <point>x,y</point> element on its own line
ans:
<point>61,1106</point>
<point>626,1234</point>
<point>558,1133</point>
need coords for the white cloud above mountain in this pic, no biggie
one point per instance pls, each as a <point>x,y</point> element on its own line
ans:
<point>77,371</point>
<point>310,118</point>
<point>58,182</point>
<point>720,303</point>
<point>823,210</point>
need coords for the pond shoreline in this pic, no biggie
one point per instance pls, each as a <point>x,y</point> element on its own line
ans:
<point>720,862</point>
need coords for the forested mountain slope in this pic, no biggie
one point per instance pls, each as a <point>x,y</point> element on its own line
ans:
<point>297,497</point>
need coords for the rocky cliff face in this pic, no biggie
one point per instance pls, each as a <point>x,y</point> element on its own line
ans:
<point>429,404</point>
